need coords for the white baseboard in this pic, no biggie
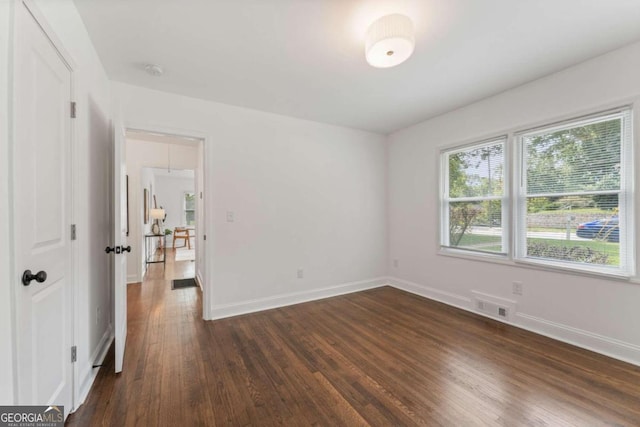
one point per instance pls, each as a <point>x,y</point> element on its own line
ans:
<point>611,347</point>
<point>431,293</point>
<point>133,278</point>
<point>89,373</point>
<point>251,306</point>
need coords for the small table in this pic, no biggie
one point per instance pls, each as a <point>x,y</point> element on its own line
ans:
<point>149,258</point>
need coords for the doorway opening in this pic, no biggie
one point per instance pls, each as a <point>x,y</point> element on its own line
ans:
<point>169,221</point>
<point>165,206</point>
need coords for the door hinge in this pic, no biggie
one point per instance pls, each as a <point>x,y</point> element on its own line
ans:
<point>201,195</point>
<point>204,237</point>
<point>74,354</point>
<point>73,232</point>
<point>73,110</point>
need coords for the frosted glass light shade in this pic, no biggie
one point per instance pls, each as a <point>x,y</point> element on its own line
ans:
<point>389,41</point>
<point>157,213</point>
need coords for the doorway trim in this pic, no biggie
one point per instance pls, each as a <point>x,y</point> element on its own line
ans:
<point>203,160</point>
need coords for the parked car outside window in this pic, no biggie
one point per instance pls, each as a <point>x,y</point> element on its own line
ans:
<point>601,229</point>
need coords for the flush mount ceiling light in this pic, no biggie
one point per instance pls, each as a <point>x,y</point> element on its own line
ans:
<point>389,41</point>
<point>154,70</point>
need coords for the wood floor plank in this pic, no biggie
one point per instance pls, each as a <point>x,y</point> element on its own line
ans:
<point>379,357</point>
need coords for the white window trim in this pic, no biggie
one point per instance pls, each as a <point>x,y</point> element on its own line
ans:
<point>512,196</point>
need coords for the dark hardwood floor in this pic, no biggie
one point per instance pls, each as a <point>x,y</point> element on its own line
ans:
<point>380,357</point>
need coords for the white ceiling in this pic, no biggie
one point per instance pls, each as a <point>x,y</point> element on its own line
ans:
<point>305,58</point>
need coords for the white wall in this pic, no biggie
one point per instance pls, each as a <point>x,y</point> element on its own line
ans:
<point>6,259</point>
<point>170,191</point>
<point>304,195</point>
<point>141,155</point>
<point>91,180</point>
<point>593,312</point>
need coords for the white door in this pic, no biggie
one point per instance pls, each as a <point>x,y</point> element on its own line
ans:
<point>42,212</point>
<point>119,241</point>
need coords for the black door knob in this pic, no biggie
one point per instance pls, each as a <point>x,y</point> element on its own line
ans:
<point>125,249</point>
<point>108,249</point>
<point>39,277</point>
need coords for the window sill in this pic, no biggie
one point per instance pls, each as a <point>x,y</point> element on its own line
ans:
<point>535,264</point>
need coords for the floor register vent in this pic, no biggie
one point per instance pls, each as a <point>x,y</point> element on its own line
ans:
<point>492,309</point>
<point>490,305</point>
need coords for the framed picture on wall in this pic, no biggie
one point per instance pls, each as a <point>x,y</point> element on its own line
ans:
<point>145,201</point>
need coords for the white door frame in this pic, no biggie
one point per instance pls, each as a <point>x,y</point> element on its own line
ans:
<point>6,207</point>
<point>203,223</point>
<point>73,190</point>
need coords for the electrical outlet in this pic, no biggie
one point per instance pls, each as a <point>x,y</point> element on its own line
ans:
<point>517,288</point>
<point>231,216</point>
<point>300,273</point>
<point>396,263</point>
<point>98,315</point>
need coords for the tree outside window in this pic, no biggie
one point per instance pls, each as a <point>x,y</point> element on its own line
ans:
<point>474,197</point>
<point>572,195</point>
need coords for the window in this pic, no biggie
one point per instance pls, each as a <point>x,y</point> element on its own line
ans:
<point>189,214</point>
<point>573,200</point>
<point>569,196</point>
<point>474,203</point>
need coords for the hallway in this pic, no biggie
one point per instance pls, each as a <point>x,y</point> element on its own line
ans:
<point>163,359</point>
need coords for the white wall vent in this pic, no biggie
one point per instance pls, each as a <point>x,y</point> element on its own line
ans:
<point>492,309</point>
<point>495,307</point>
